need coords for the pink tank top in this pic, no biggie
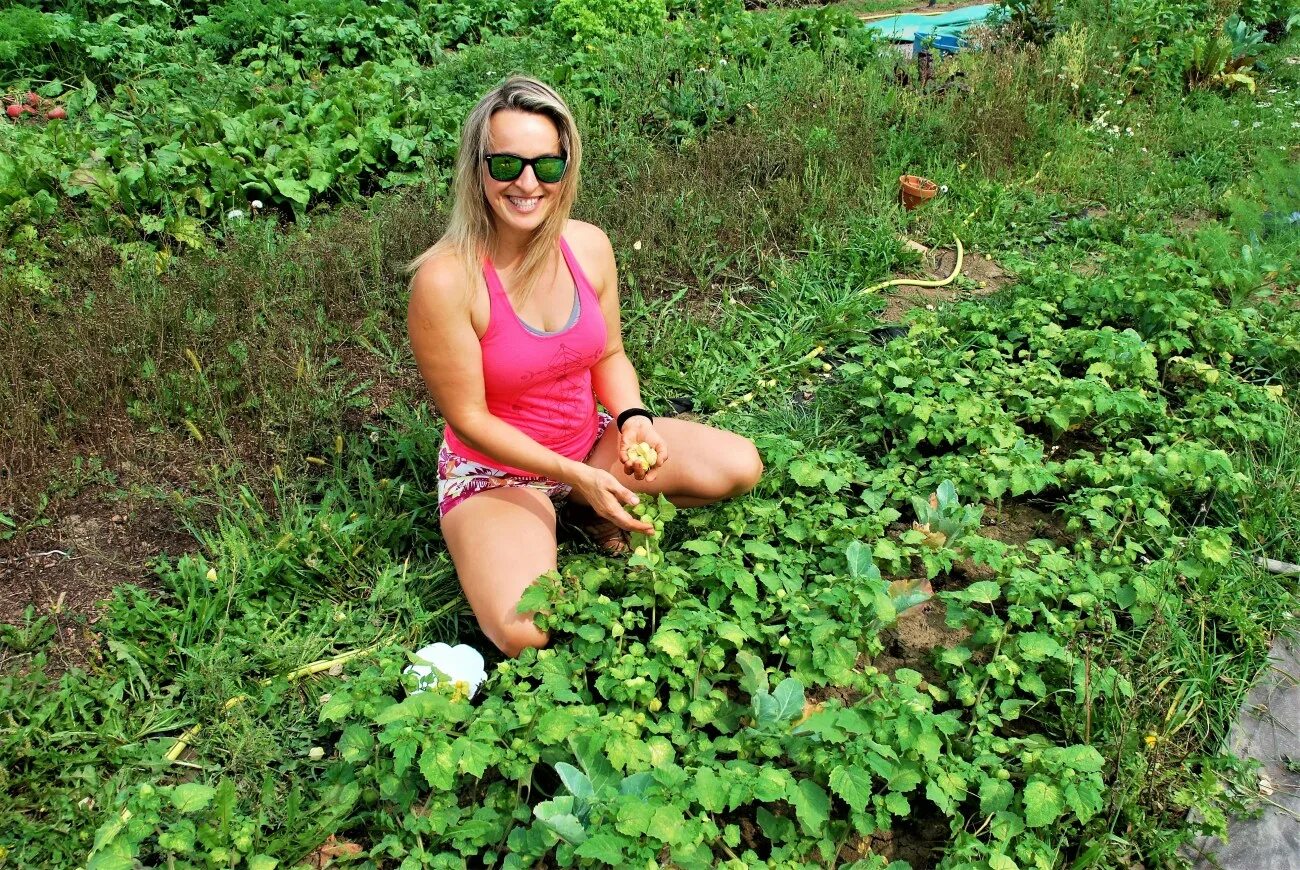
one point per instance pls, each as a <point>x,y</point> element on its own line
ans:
<point>540,382</point>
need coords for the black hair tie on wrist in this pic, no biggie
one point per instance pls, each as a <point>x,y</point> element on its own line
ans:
<point>633,412</point>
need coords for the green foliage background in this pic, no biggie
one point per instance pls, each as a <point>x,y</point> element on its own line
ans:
<point>739,693</point>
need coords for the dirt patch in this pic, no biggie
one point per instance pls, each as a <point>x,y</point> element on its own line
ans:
<point>938,263</point>
<point>68,569</point>
<point>921,630</point>
<point>1018,523</point>
<point>917,841</point>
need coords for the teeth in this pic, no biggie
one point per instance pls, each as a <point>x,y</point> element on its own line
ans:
<point>524,204</point>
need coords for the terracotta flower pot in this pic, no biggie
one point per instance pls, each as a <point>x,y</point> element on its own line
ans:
<point>915,190</point>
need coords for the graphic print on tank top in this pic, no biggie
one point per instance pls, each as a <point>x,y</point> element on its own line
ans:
<point>564,393</point>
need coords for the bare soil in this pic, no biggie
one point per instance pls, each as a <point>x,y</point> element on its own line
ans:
<point>67,570</point>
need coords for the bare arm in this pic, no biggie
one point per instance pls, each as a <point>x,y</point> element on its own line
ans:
<point>614,378</point>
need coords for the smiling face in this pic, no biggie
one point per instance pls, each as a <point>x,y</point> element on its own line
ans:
<point>521,205</point>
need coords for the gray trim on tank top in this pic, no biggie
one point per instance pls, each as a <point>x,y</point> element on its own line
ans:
<point>573,317</point>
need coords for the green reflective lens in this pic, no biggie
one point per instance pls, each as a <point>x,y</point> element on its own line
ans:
<point>508,167</point>
<point>549,169</point>
<point>505,167</point>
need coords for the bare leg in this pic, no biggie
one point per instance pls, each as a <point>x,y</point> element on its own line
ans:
<point>704,464</point>
<point>500,541</point>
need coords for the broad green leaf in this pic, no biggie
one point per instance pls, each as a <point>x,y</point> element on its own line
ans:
<point>636,784</point>
<point>337,708</point>
<point>754,675</point>
<point>731,632</point>
<point>782,705</point>
<point>555,725</point>
<point>853,785</point>
<point>558,815</point>
<point>1043,802</point>
<point>812,805</point>
<point>263,862</point>
<point>605,847</point>
<point>1085,759</point>
<point>1084,798</point>
<point>995,794</point>
<point>702,548</point>
<point>417,707</point>
<point>1036,646</point>
<point>861,563</point>
<point>634,818</point>
<point>586,748</point>
<point>671,642</point>
<point>575,780</point>
<point>438,766</point>
<point>980,592</point>
<point>805,473</point>
<point>710,790</point>
<point>356,743</point>
<point>292,189</point>
<point>666,824</point>
<point>535,598</point>
<point>192,796</point>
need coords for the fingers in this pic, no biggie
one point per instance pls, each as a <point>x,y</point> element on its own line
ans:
<point>624,520</point>
<point>620,495</point>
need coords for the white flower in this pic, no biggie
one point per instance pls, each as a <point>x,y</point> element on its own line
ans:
<point>722,61</point>
<point>257,203</point>
<point>1236,123</point>
<point>1257,125</point>
<point>636,246</point>
<point>1295,124</point>
<point>943,188</point>
<point>374,436</point>
<point>1144,151</point>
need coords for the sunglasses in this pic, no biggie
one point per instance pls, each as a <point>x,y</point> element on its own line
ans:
<point>508,167</point>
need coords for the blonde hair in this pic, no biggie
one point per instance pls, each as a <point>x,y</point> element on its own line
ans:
<point>470,233</point>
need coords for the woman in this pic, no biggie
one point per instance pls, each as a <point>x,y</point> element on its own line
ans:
<point>514,322</point>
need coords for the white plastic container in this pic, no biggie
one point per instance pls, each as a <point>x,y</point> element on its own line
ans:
<point>461,663</point>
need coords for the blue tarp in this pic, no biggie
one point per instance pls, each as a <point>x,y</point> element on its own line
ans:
<point>904,28</point>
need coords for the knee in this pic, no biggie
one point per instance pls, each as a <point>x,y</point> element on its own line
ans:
<point>515,637</point>
<point>745,469</point>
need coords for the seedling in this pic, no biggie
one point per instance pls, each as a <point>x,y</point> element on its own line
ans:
<point>943,519</point>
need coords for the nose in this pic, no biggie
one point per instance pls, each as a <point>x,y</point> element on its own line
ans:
<point>527,179</point>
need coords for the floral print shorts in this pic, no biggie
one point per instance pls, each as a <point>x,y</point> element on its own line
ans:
<point>459,478</point>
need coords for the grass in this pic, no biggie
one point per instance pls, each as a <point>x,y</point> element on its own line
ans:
<point>287,343</point>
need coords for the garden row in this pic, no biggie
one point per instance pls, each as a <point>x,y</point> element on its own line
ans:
<point>170,133</point>
<point>180,118</point>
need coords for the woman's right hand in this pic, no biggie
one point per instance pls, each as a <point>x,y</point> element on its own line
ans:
<point>606,496</point>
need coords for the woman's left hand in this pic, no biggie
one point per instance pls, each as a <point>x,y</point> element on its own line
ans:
<point>635,431</point>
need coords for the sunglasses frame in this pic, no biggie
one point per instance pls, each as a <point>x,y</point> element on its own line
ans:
<point>525,162</point>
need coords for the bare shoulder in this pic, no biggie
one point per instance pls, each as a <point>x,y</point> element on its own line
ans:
<point>590,239</point>
<point>439,285</point>
<point>594,251</point>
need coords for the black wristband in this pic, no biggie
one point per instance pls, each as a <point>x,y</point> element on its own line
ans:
<point>633,412</point>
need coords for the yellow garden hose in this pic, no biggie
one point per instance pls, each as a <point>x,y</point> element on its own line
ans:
<point>912,282</point>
